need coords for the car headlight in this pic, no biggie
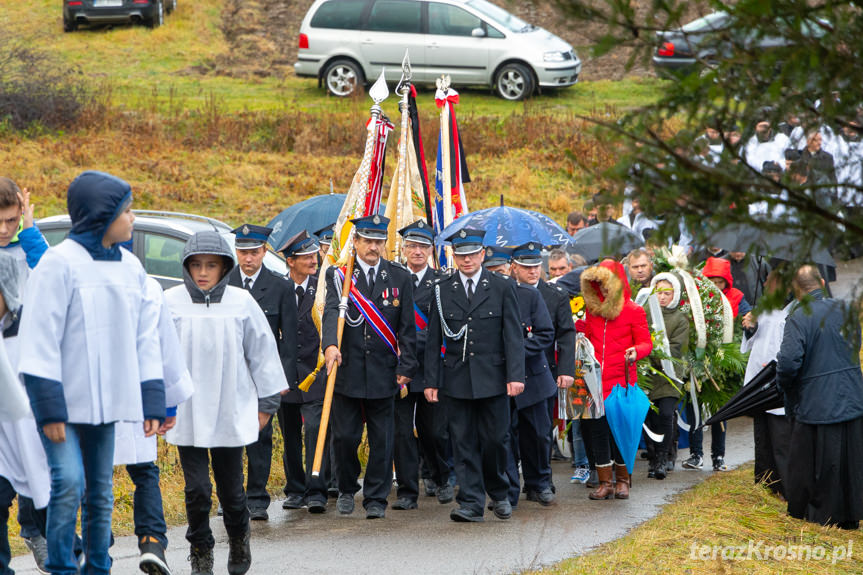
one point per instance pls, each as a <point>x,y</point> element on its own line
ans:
<point>554,56</point>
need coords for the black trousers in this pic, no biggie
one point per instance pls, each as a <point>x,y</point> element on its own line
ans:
<point>478,429</point>
<point>228,471</point>
<point>260,456</point>
<point>662,423</point>
<point>347,424</point>
<point>534,445</point>
<point>602,443</point>
<point>772,434</point>
<point>299,479</point>
<point>429,444</point>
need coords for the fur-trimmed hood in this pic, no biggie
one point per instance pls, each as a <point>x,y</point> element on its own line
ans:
<point>610,275</point>
<point>675,284</point>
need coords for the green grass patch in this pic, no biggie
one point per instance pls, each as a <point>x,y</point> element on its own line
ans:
<point>725,512</point>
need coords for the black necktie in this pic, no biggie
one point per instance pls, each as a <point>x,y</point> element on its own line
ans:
<point>247,283</point>
<point>300,292</point>
<point>371,279</point>
<point>415,279</point>
<point>470,289</point>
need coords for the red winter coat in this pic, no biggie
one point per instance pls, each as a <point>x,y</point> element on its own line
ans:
<point>721,268</point>
<point>613,324</point>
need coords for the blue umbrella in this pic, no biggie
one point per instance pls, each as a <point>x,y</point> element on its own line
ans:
<point>626,407</point>
<point>310,215</point>
<point>510,227</point>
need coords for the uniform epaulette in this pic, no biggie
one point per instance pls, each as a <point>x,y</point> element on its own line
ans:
<point>399,265</point>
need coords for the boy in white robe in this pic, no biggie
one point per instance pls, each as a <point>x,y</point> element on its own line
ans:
<point>137,452</point>
<point>232,356</point>
<point>89,358</point>
<point>23,468</point>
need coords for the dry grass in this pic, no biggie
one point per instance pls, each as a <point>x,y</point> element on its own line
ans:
<point>725,510</point>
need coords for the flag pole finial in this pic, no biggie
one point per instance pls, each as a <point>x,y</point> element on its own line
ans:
<point>379,92</point>
<point>501,200</point>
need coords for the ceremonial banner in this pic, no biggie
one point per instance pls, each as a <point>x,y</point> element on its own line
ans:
<point>451,168</point>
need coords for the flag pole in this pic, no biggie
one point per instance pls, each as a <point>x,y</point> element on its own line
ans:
<point>378,93</point>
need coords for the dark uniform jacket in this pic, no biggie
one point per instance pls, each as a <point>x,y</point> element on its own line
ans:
<point>368,367</point>
<point>495,348</point>
<point>308,344</point>
<point>818,366</point>
<point>423,300</point>
<point>538,334</point>
<point>561,357</point>
<point>275,295</point>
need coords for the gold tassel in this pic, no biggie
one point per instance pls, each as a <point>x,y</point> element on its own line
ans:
<point>310,379</point>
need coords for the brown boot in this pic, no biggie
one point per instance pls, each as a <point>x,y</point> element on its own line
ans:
<point>621,488</point>
<point>605,490</point>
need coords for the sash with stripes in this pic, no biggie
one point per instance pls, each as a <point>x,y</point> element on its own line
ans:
<point>372,315</point>
<point>421,320</point>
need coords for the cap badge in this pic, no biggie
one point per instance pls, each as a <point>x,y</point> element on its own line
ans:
<point>245,230</point>
<point>488,252</point>
<point>530,246</point>
<point>376,220</point>
<point>421,224</point>
<point>462,234</point>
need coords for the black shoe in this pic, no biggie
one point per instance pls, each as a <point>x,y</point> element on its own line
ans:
<point>293,502</point>
<point>669,465</point>
<point>259,514</point>
<point>502,509</point>
<point>465,515</point>
<point>719,464</point>
<point>239,555</point>
<point>317,506</point>
<point>544,497</point>
<point>376,511</point>
<point>345,503</point>
<point>660,472</point>
<point>403,504</point>
<point>38,546</point>
<point>152,556</point>
<point>201,560</point>
<point>431,487</point>
<point>445,493</point>
<point>332,492</point>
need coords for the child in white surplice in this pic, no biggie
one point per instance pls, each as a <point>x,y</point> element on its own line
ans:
<point>232,356</point>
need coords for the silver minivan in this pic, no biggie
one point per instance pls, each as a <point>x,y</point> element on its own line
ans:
<point>343,43</point>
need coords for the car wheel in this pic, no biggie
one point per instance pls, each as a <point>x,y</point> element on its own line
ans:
<point>343,78</point>
<point>69,25</point>
<point>514,82</point>
<point>159,17</point>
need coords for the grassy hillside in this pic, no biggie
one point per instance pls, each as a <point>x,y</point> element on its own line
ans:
<point>178,113</point>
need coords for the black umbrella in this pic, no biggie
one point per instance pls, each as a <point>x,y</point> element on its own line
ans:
<point>605,239</point>
<point>787,246</point>
<point>757,396</point>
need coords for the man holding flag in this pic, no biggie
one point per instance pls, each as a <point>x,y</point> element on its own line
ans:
<point>377,359</point>
<point>431,433</point>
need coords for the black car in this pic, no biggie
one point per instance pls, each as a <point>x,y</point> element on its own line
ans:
<point>151,13</point>
<point>708,40</point>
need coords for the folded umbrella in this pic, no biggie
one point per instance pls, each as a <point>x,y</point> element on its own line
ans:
<point>757,396</point>
<point>626,408</point>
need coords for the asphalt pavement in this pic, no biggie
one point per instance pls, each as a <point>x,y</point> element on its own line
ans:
<point>426,541</point>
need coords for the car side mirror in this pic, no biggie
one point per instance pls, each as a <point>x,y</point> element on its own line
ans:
<point>477,33</point>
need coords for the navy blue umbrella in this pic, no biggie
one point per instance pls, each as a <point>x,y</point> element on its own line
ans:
<point>510,227</point>
<point>310,215</point>
<point>604,239</point>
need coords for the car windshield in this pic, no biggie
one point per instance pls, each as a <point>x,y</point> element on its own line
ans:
<point>500,16</point>
<point>710,22</point>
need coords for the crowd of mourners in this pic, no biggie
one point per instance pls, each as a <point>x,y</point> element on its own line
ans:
<point>454,374</point>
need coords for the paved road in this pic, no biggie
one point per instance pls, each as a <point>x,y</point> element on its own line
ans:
<point>427,542</point>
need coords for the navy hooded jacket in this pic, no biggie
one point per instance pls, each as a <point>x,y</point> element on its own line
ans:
<point>94,201</point>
